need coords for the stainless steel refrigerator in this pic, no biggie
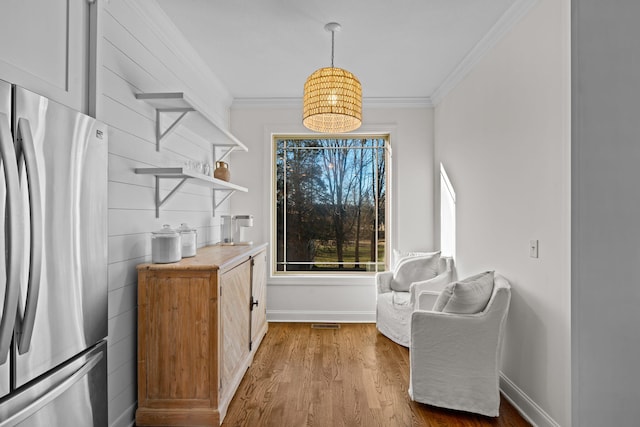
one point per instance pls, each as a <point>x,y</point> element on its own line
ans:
<point>53,278</point>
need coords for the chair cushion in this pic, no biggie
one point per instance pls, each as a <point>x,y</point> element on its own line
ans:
<point>400,299</point>
<point>467,296</point>
<point>414,269</point>
<point>398,256</point>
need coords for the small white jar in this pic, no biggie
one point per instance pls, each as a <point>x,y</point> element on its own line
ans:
<point>165,245</point>
<point>189,239</point>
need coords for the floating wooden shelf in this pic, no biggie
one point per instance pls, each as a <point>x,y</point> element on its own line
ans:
<point>185,175</point>
<point>169,103</point>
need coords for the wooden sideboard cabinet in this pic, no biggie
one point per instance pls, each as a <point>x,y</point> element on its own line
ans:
<point>200,322</point>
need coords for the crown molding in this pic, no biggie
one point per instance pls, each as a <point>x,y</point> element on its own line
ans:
<point>401,102</point>
<point>380,102</point>
<point>161,24</point>
<point>506,22</point>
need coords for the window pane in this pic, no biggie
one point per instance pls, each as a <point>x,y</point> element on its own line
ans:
<point>447,215</point>
<point>330,204</point>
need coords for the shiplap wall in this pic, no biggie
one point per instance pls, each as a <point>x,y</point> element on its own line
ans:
<point>139,50</point>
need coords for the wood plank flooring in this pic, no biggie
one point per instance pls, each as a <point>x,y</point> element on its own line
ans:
<point>352,376</point>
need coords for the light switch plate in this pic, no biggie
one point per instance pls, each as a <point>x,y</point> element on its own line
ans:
<point>533,248</point>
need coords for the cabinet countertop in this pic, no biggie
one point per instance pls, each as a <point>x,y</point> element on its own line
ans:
<point>213,257</point>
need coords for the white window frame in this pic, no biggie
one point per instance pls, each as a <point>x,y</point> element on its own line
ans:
<point>388,209</point>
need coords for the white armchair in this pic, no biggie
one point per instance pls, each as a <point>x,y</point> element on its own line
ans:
<point>455,358</point>
<point>394,307</point>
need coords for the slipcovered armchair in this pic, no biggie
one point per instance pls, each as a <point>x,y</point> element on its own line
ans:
<point>456,345</point>
<point>397,290</point>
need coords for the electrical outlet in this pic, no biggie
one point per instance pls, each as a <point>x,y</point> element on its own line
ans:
<point>533,248</point>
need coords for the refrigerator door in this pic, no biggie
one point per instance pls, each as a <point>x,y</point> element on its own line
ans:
<point>62,158</point>
<point>5,108</point>
<point>73,395</point>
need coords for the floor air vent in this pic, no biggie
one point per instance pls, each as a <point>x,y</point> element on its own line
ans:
<point>325,326</point>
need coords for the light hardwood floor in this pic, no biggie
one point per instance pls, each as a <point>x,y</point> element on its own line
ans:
<point>352,376</point>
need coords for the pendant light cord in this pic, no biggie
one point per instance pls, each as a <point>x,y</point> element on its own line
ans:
<point>333,33</point>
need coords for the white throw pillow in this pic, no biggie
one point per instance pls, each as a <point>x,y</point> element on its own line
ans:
<point>414,269</point>
<point>467,296</point>
<point>398,256</point>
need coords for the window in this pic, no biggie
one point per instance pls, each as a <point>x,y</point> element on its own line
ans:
<point>330,203</point>
<point>447,215</point>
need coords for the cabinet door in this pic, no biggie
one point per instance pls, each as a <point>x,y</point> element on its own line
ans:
<point>235,322</point>
<point>44,48</point>
<point>259,293</point>
<point>175,339</point>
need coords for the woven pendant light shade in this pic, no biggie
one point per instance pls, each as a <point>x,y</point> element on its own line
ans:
<point>332,101</point>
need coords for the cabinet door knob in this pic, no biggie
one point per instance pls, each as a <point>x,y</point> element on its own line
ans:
<point>253,303</point>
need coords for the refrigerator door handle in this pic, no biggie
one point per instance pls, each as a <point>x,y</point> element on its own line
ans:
<point>39,403</point>
<point>13,220</point>
<point>24,327</point>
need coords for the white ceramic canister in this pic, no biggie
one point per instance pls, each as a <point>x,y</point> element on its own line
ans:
<point>189,239</point>
<point>165,245</point>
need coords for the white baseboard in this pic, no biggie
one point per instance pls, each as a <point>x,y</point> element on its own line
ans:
<point>321,316</point>
<point>127,419</point>
<point>525,405</point>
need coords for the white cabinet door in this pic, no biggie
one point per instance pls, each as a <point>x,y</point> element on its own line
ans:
<point>44,48</point>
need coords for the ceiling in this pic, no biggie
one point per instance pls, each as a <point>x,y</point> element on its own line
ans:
<point>399,49</point>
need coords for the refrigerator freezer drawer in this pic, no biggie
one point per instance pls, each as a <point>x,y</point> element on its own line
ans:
<point>73,395</point>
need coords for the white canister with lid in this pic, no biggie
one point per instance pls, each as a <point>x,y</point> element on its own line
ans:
<point>165,245</point>
<point>189,238</point>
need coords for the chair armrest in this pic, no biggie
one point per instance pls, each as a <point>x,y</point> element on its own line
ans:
<point>426,300</point>
<point>435,285</point>
<point>383,281</point>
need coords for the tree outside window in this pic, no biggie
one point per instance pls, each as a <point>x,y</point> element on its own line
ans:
<point>331,203</point>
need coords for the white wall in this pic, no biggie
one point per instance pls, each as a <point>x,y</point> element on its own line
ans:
<point>139,50</point>
<point>503,135</point>
<point>605,213</point>
<point>337,299</point>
